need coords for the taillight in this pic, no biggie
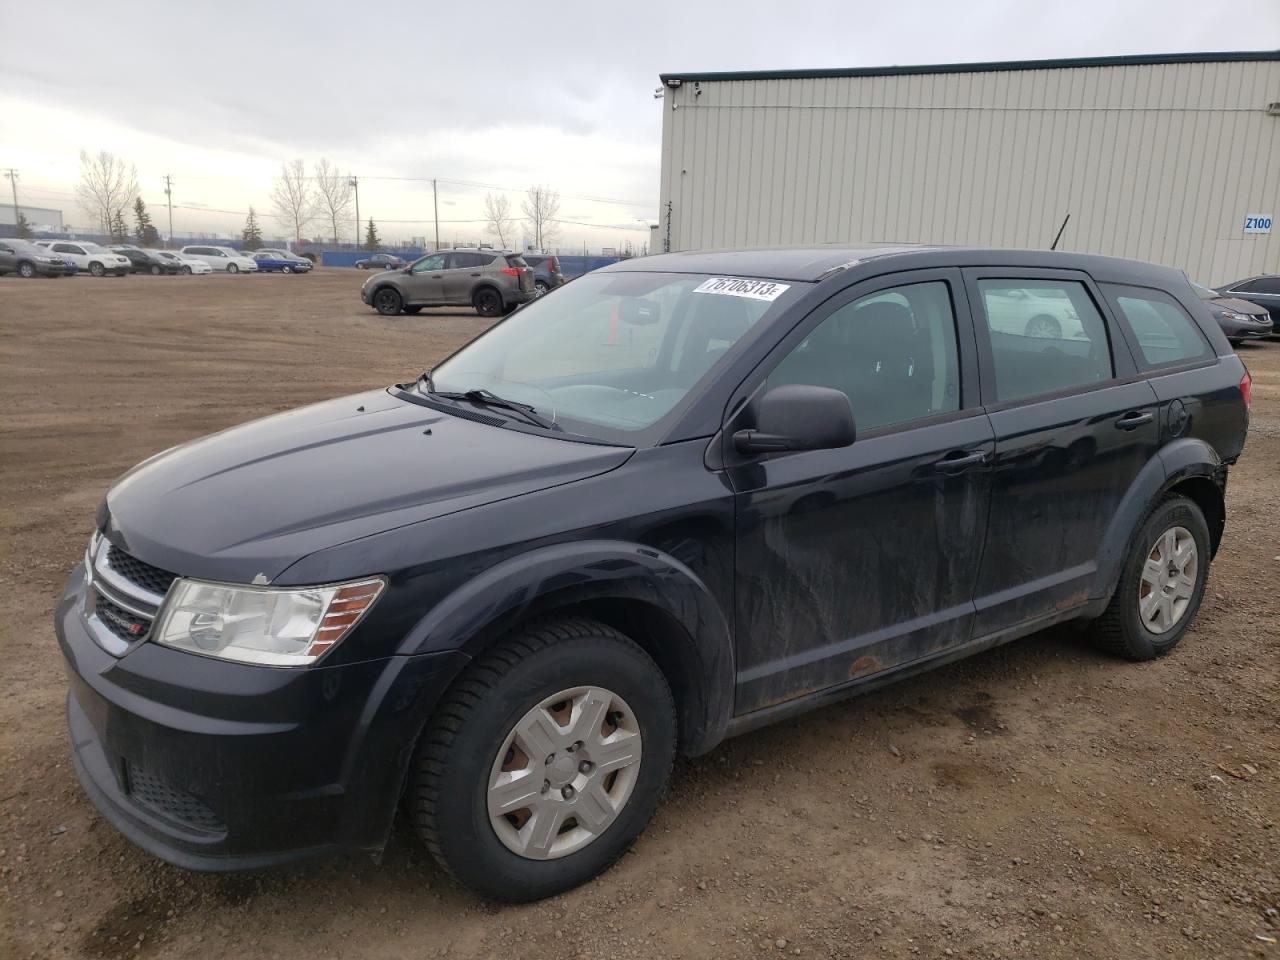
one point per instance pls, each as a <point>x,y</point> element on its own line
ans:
<point>511,271</point>
<point>1246,389</point>
<point>554,265</point>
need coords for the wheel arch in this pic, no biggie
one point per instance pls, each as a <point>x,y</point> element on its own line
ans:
<point>643,593</point>
<point>486,285</point>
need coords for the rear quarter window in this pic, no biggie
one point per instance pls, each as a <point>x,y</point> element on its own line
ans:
<point>1163,331</point>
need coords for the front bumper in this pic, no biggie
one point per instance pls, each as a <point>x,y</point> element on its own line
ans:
<point>221,766</point>
<point>1245,329</point>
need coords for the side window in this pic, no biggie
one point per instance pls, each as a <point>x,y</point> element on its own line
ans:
<point>460,261</point>
<point>429,264</point>
<point>1268,285</point>
<point>893,354</point>
<point>1046,336</point>
<point>1164,331</point>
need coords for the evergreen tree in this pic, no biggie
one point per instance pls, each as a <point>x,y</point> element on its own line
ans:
<point>252,233</point>
<point>371,241</point>
<point>147,234</point>
<point>23,226</point>
<point>117,228</point>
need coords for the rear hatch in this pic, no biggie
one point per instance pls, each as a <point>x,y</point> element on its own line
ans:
<point>516,262</point>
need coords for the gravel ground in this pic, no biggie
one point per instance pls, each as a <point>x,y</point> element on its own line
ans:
<point>1040,800</point>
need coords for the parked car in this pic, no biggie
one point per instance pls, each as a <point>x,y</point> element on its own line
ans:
<point>144,261</point>
<point>380,261</point>
<point>86,255</point>
<point>492,281</point>
<point>27,260</point>
<point>1264,291</point>
<point>224,259</point>
<point>546,272</point>
<point>690,495</point>
<point>270,262</point>
<point>1239,319</point>
<point>1034,311</point>
<point>298,263</point>
<point>186,263</point>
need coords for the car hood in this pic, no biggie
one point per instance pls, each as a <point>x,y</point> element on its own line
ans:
<point>244,504</point>
<point>1238,306</point>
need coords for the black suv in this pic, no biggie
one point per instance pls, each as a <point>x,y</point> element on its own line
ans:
<point>546,272</point>
<point>689,495</point>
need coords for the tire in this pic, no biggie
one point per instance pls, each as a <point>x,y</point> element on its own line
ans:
<point>469,744</point>
<point>1125,628</point>
<point>487,301</point>
<point>156,269</point>
<point>286,269</point>
<point>1044,326</point>
<point>97,269</point>
<point>388,302</point>
<point>540,288</point>
<point>26,270</point>
<point>232,268</point>
<point>412,309</point>
<point>187,271</point>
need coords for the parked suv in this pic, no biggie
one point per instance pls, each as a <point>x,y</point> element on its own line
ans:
<point>27,260</point>
<point>93,257</point>
<point>546,272</point>
<point>144,261</point>
<point>222,258</point>
<point>492,281</point>
<point>689,495</point>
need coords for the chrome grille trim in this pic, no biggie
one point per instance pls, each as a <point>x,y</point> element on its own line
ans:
<point>104,582</point>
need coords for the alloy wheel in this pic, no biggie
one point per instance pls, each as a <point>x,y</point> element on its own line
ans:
<point>1168,580</point>
<point>564,773</point>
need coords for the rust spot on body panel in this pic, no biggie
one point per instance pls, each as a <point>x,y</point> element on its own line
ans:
<point>865,665</point>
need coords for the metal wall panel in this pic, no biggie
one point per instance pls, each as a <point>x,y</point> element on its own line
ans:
<point>1156,162</point>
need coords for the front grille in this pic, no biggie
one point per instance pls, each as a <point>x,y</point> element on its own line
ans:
<point>159,796</point>
<point>121,622</point>
<point>142,574</point>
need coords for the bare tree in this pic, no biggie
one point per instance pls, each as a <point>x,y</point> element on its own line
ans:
<point>541,208</point>
<point>333,194</point>
<point>294,198</point>
<point>107,184</point>
<point>497,210</point>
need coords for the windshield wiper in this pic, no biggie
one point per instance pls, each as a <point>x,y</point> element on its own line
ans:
<point>487,398</point>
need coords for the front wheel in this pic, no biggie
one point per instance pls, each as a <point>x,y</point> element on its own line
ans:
<point>1161,584</point>
<point>388,302</point>
<point>1044,327</point>
<point>545,760</point>
<point>97,269</point>
<point>156,270</point>
<point>187,271</point>
<point>232,268</point>
<point>487,302</point>
<point>286,269</point>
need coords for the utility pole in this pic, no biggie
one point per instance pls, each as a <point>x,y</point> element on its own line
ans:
<point>12,174</point>
<point>355,183</point>
<point>435,205</point>
<point>168,195</point>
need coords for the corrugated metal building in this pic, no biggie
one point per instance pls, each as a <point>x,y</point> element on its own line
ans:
<point>1159,158</point>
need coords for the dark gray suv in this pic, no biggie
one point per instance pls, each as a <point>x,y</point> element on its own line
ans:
<point>492,281</point>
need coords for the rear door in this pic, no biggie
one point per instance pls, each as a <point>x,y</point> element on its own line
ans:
<point>853,561</point>
<point>1074,424</point>
<point>461,273</point>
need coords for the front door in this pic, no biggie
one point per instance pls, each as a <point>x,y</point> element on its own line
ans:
<point>424,283</point>
<point>1071,437</point>
<point>857,560</point>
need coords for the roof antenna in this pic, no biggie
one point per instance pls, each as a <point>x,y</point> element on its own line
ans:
<point>1054,245</point>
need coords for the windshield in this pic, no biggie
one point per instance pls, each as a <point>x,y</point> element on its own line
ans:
<point>612,353</point>
<point>1204,293</point>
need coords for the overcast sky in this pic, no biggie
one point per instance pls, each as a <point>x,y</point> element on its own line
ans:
<point>218,95</point>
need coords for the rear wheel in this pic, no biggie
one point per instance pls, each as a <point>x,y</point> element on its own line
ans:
<point>388,301</point>
<point>540,288</point>
<point>26,270</point>
<point>1045,327</point>
<point>487,302</point>
<point>545,760</point>
<point>97,269</point>
<point>1161,585</point>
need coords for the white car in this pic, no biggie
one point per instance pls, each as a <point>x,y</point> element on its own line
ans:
<point>93,257</point>
<point>189,264</point>
<point>223,258</point>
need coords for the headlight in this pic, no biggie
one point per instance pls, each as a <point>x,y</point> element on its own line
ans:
<point>285,627</point>
<point>1232,315</point>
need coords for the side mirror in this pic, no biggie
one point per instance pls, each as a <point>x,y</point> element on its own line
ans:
<point>798,417</point>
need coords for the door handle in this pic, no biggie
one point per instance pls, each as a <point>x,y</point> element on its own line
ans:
<point>1132,421</point>
<point>958,464</point>
<point>437,276</point>
<point>475,274</point>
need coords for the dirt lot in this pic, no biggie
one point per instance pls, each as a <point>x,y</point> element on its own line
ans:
<point>1037,801</point>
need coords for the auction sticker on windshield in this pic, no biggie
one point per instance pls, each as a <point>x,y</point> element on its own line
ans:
<point>737,287</point>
